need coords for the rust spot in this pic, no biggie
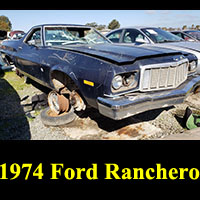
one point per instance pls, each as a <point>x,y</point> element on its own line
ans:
<point>54,114</point>
<point>132,132</point>
<point>63,103</point>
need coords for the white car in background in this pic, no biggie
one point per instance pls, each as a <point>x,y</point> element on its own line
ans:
<point>156,37</point>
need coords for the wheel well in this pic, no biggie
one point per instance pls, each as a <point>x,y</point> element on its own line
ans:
<point>66,86</point>
<point>61,80</point>
<point>7,59</point>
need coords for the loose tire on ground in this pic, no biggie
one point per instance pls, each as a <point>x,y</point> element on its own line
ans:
<point>59,120</point>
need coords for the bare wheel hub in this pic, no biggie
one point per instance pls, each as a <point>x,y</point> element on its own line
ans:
<point>77,101</point>
<point>58,103</point>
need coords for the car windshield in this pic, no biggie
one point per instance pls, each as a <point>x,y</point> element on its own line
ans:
<point>72,35</point>
<point>160,36</point>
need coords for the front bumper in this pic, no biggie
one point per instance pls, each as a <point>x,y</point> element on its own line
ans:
<point>131,104</point>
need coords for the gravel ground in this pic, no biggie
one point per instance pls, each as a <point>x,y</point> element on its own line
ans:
<point>18,121</point>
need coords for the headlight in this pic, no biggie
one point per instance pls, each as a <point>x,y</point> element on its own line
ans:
<point>129,80</point>
<point>192,66</point>
<point>125,81</point>
<point>117,82</point>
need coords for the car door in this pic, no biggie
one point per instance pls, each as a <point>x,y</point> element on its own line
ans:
<point>30,55</point>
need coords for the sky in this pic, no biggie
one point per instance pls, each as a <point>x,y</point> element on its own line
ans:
<point>25,19</point>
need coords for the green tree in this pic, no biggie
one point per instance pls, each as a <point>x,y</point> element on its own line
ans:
<point>114,24</point>
<point>184,27</point>
<point>164,28</point>
<point>5,23</point>
<point>197,27</point>
<point>92,24</point>
<point>192,26</point>
<point>95,25</point>
<point>101,27</point>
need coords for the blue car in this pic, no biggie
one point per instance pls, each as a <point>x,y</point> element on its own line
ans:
<point>82,68</point>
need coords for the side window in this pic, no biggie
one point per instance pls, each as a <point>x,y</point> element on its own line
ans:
<point>180,35</point>
<point>115,37</point>
<point>34,38</point>
<point>133,36</point>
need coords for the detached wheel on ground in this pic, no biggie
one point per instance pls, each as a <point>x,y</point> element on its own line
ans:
<point>59,112</point>
<point>51,119</point>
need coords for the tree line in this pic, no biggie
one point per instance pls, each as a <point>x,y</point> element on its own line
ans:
<point>114,24</point>
<point>6,25</point>
<point>185,27</point>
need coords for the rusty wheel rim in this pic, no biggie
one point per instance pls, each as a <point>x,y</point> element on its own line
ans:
<point>58,103</point>
<point>63,103</point>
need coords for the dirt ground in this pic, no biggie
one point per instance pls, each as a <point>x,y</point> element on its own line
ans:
<point>19,121</point>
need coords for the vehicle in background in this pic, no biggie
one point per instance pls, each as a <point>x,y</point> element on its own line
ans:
<point>152,36</point>
<point>193,33</point>
<point>185,36</point>
<point>82,67</point>
<point>104,31</point>
<point>16,35</point>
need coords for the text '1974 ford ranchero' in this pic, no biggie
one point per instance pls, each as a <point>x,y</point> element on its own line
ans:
<point>83,68</point>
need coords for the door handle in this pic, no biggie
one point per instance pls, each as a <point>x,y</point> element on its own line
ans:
<point>20,48</point>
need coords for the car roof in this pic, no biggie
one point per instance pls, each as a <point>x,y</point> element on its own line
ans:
<point>14,32</point>
<point>137,27</point>
<point>131,27</point>
<point>71,25</point>
<point>191,30</point>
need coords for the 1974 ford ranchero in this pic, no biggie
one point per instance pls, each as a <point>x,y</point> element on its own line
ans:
<point>82,68</point>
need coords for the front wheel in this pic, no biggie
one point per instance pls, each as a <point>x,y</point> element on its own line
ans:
<point>59,112</point>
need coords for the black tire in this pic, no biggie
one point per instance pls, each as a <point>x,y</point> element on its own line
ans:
<point>62,119</point>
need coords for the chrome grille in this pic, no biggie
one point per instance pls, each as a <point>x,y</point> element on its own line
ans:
<point>158,77</point>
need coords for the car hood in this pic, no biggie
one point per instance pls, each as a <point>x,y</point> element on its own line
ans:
<point>184,44</point>
<point>119,54</point>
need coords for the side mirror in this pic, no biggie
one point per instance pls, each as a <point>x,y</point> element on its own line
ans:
<point>140,40</point>
<point>31,42</point>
